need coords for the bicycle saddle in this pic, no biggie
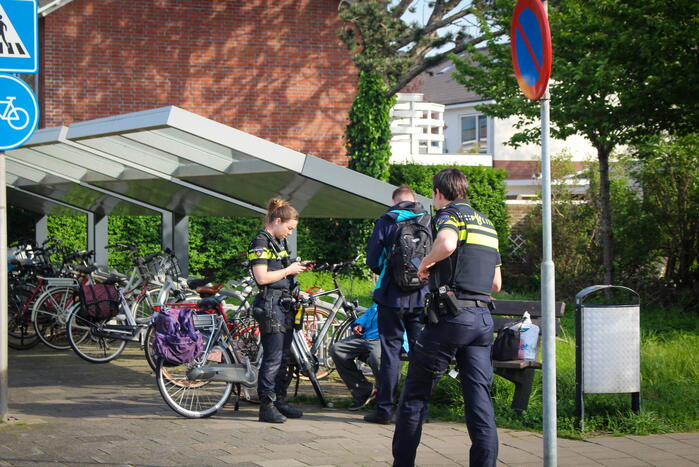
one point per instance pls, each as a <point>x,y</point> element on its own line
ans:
<point>194,283</point>
<point>205,291</point>
<point>86,269</point>
<point>111,280</point>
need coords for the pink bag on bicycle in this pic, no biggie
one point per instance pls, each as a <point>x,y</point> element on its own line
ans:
<point>99,301</point>
<point>176,339</point>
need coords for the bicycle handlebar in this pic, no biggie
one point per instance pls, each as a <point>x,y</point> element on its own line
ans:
<point>122,247</point>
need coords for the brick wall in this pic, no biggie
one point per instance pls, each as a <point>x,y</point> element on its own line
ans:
<point>275,69</point>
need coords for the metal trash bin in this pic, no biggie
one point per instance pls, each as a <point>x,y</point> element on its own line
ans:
<point>607,348</point>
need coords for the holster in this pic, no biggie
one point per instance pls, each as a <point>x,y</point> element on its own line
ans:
<point>429,312</point>
<point>448,302</point>
<point>263,311</point>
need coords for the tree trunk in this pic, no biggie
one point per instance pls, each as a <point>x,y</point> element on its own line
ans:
<point>606,213</point>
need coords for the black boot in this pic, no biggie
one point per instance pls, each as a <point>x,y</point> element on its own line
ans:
<point>268,411</point>
<point>287,410</point>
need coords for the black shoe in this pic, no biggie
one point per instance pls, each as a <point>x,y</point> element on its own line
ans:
<point>376,418</point>
<point>270,414</point>
<point>362,401</point>
<point>285,409</point>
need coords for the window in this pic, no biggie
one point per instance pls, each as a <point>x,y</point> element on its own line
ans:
<point>474,134</point>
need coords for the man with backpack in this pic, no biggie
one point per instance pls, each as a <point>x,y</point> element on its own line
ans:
<point>401,238</point>
<point>464,269</point>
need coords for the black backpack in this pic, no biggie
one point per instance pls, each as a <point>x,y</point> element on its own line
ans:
<point>412,242</point>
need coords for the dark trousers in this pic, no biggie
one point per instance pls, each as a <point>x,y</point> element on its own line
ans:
<point>346,352</point>
<point>392,324</point>
<point>467,337</point>
<point>273,377</point>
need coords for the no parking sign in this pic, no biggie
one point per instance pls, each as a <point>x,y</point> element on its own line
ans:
<point>530,43</point>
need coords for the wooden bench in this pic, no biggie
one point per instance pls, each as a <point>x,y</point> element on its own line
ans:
<point>520,372</point>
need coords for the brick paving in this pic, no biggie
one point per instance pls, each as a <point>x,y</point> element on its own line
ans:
<point>67,412</point>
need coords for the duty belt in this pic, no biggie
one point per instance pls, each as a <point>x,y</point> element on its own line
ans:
<point>474,303</point>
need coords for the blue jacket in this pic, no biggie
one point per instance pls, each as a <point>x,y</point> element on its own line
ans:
<point>387,292</point>
<point>369,322</point>
<point>370,325</point>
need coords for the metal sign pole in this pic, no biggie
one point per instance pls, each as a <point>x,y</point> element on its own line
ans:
<point>548,295</point>
<point>548,292</point>
<point>3,290</point>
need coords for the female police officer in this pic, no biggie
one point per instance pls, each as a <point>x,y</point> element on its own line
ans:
<point>273,271</point>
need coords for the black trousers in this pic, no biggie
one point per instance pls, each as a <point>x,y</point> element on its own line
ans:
<point>467,338</point>
<point>273,377</point>
<point>392,324</point>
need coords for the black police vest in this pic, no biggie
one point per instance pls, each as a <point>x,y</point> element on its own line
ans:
<point>471,267</point>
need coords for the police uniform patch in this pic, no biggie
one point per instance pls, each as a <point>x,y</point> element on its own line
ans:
<point>258,251</point>
<point>443,219</point>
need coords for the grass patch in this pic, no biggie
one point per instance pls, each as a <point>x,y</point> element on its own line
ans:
<point>669,377</point>
<point>669,385</point>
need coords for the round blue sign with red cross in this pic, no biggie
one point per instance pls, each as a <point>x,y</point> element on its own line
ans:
<point>530,42</point>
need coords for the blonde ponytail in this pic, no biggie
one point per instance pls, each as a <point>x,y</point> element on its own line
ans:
<point>278,208</point>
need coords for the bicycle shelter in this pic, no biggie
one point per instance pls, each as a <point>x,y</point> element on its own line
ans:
<point>174,163</point>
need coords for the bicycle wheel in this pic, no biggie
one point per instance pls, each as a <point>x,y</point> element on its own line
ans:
<point>316,316</point>
<point>142,306</point>
<point>18,118</point>
<point>86,340</point>
<point>50,315</point>
<point>247,332</point>
<point>194,398</point>
<point>148,339</point>
<point>20,331</point>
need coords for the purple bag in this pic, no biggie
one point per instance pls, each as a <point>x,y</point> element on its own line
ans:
<point>176,339</point>
<point>99,301</point>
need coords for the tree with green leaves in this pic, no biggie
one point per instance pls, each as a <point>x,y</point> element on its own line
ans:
<point>621,69</point>
<point>368,134</point>
<point>389,52</point>
<point>668,173</point>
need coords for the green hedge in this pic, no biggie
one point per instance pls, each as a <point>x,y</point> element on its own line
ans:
<point>215,242</point>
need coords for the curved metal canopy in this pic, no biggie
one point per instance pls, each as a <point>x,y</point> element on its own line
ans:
<point>169,159</point>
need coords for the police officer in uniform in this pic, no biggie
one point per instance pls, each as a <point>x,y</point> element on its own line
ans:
<point>274,273</point>
<point>464,268</point>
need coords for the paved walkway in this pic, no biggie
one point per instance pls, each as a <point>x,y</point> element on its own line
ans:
<point>69,412</point>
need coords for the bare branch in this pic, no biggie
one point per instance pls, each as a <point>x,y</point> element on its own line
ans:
<point>433,61</point>
<point>430,28</point>
<point>401,8</point>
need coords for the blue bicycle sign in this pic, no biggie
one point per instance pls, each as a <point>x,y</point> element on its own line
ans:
<point>16,117</point>
<point>19,112</point>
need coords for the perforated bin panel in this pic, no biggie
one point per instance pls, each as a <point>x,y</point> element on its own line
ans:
<point>611,349</point>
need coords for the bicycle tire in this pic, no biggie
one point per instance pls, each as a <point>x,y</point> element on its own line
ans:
<point>89,346</point>
<point>311,326</point>
<point>193,398</point>
<point>142,308</point>
<point>246,332</point>
<point>50,316</point>
<point>148,339</point>
<point>20,330</point>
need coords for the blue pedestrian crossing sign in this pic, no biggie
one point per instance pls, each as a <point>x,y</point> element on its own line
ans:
<point>19,41</point>
<point>19,112</point>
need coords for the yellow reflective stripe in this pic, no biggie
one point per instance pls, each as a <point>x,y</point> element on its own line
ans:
<point>266,254</point>
<point>482,228</point>
<point>475,238</point>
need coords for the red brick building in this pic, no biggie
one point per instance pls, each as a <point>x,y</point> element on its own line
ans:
<point>275,69</point>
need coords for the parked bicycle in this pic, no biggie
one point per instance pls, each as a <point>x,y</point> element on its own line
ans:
<point>103,340</point>
<point>200,388</point>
